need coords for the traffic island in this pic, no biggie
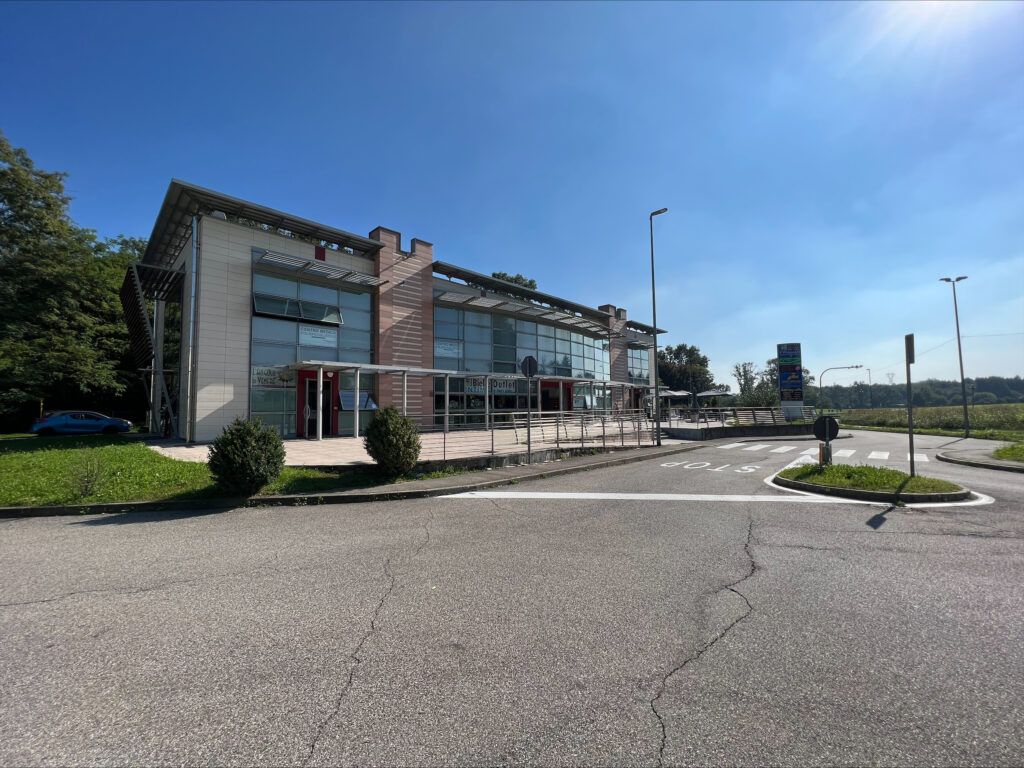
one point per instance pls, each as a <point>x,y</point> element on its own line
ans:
<point>869,484</point>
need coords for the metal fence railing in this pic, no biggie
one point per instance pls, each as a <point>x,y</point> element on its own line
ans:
<point>558,430</point>
<point>731,416</point>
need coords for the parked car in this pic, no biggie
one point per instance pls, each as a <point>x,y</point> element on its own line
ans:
<point>79,423</point>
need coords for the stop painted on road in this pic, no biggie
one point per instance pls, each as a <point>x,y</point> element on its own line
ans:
<point>743,469</point>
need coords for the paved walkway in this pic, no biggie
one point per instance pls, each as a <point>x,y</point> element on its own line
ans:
<point>434,446</point>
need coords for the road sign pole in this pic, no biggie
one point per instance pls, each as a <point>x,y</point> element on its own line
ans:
<point>529,368</point>
<point>908,340</point>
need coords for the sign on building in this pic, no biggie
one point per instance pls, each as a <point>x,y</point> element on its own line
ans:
<point>318,336</point>
<point>791,381</point>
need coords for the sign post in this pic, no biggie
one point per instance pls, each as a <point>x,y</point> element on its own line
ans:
<point>791,381</point>
<point>529,368</point>
<point>908,341</point>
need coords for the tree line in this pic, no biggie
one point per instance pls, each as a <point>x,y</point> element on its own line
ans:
<point>63,340</point>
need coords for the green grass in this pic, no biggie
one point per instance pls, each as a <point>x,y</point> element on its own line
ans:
<point>866,478</point>
<point>993,422</point>
<point>93,469</point>
<point>1010,452</point>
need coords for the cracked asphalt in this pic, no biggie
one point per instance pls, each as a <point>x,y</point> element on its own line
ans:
<point>523,631</point>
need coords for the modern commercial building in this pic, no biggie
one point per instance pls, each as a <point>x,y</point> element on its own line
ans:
<point>239,310</point>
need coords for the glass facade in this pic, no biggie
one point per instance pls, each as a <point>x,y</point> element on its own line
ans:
<point>639,366</point>
<point>296,320</point>
<point>485,343</point>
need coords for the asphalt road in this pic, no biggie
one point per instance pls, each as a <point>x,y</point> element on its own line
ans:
<point>726,622</point>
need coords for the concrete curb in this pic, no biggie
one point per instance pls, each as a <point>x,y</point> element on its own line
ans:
<point>853,493</point>
<point>435,487</point>
<point>1001,465</point>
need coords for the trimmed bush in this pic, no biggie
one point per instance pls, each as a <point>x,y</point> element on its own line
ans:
<point>246,457</point>
<point>393,441</point>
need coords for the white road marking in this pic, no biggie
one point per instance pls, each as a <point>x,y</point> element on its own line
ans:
<point>881,455</point>
<point>730,445</point>
<point>809,452</point>
<point>757,447</point>
<point>918,457</point>
<point>636,496</point>
<point>845,453</point>
<point>783,449</point>
<point>794,497</point>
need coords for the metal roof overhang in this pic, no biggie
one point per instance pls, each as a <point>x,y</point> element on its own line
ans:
<point>316,268</point>
<point>595,319</point>
<point>633,325</point>
<point>183,201</point>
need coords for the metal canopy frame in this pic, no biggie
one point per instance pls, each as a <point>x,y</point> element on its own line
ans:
<point>322,366</point>
<point>319,269</point>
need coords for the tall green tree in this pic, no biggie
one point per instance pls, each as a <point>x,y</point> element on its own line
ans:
<point>683,366</point>
<point>62,336</point>
<point>517,279</point>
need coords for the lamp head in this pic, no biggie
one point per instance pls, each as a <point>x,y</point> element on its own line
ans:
<point>945,280</point>
<point>962,277</point>
<point>658,213</point>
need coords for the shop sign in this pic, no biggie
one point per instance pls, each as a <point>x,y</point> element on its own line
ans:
<point>266,376</point>
<point>499,386</point>
<point>318,336</point>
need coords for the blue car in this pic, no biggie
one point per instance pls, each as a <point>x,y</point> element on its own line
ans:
<point>79,423</point>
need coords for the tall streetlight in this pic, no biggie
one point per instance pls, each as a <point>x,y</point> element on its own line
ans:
<point>833,368</point>
<point>869,387</point>
<point>654,317</point>
<point>963,386</point>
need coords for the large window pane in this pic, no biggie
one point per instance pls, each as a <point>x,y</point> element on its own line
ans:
<point>526,340</point>
<point>356,320</point>
<point>275,286</point>
<point>477,318</point>
<point>507,354</point>
<point>446,348</point>
<point>447,331</point>
<point>360,301</point>
<point>479,351</point>
<point>478,334</point>
<point>274,330</point>
<point>506,338</point>
<point>503,322</point>
<point>545,330</point>
<point>272,354</point>
<point>318,353</point>
<point>446,315</point>
<point>318,293</point>
<point>351,339</point>
<point>525,326</point>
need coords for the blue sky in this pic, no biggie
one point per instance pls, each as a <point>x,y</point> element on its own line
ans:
<point>823,163</point>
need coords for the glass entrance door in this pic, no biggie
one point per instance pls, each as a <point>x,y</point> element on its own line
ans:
<point>310,409</point>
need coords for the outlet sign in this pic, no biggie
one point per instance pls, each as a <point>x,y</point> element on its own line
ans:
<point>791,380</point>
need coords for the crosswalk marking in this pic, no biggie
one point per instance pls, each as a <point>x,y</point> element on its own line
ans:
<point>809,452</point>
<point>918,457</point>
<point>881,455</point>
<point>730,445</point>
<point>783,449</point>
<point>845,453</point>
<point>757,447</point>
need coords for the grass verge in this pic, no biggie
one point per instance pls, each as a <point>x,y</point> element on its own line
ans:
<point>97,469</point>
<point>1010,452</point>
<point>864,478</point>
<point>980,434</point>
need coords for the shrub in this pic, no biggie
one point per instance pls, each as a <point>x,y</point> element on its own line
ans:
<point>245,457</point>
<point>393,441</point>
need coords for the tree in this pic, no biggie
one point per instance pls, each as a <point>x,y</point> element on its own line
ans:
<point>746,377</point>
<point>517,279</point>
<point>62,336</point>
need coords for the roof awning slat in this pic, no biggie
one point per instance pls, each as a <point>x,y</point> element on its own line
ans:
<point>316,268</point>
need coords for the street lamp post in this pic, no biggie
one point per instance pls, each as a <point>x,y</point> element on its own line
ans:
<point>956,314</point>
<point>834,368</point>
<point>869,387</point>
<point>654,317</point>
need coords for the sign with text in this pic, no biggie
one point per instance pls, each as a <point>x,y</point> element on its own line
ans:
<point>791,380</point>
<point>499,386</point>
<point>265,376</point>
<point>318,336</point>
